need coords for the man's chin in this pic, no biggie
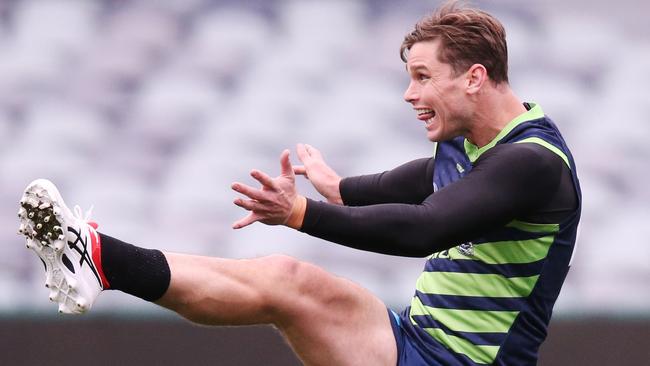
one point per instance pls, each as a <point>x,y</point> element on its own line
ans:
<point>435,136</point>
<point>441,138</point>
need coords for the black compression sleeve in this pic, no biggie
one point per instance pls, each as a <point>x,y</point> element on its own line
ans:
<point>140,272</point>
<point>508,181</point>
<point>408,183</point>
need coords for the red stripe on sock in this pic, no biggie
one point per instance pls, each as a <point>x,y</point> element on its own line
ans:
<point>97,257</point>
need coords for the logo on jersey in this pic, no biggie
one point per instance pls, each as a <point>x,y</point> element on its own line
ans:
<point>466,249</point>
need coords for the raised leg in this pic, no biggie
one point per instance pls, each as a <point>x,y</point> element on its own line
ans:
<point>327,320</point>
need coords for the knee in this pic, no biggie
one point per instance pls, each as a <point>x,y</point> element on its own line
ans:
<point>283,270</point>
<point>298,290</point>
<point>292,281</point>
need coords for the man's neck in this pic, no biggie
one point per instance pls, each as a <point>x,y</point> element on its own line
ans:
<point>496,108</point>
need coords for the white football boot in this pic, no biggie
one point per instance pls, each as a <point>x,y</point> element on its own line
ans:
<point>67,243</point>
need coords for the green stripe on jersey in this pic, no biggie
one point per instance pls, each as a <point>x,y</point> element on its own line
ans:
<point>537,140</point>
<point>474,152</point>
<point>503,252</point>
<point>474,321</point>
<point>513,252</point>
<point>534,228</point>
<point>473,284</point>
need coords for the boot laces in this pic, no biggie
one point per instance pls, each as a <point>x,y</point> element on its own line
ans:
<point>85,216</point>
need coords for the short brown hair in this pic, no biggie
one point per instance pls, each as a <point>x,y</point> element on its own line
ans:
<point>468,36</point>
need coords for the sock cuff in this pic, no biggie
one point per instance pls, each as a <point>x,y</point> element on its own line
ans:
<point>134,270</point>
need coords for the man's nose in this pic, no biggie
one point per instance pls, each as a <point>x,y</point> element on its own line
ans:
<point>411,95</point>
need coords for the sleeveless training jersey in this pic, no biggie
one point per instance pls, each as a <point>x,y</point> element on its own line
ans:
<point>489,301</point>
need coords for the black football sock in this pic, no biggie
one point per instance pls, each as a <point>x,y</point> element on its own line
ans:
<point>137,271</point>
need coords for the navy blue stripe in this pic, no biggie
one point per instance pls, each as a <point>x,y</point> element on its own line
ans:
<point>542,128</point>
<point>471,302</point>
<point>551,138</point>
<point>475,266</point>
<point>479,339</point>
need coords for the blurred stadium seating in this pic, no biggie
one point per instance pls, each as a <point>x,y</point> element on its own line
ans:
<point>150,109</point>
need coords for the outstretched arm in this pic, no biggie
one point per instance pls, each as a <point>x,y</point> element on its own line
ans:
<point>408,183</point>
<point>276,202</point>
<point>507,182</point>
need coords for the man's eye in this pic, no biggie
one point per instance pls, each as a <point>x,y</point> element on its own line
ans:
<point>422,77</point>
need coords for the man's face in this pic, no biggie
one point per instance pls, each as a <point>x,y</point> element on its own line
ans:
<point>437,96</point>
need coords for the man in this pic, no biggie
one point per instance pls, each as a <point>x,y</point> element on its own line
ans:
<point>495,212</point>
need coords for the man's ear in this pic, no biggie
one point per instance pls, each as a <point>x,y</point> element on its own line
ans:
<point>476,76</point>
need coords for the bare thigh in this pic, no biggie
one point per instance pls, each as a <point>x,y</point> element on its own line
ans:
<point>327,320</point>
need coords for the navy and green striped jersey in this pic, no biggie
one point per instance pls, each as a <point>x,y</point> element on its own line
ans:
<point>489,301</point>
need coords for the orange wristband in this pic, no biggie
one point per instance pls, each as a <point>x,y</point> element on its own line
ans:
<point>297,215</point>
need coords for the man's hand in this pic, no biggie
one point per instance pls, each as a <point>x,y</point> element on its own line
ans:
<point>276,202</point>
<point>321,176</point>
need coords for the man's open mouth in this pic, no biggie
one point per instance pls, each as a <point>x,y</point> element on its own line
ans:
<point>426,115</point>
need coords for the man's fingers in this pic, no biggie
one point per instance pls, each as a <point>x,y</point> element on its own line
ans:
<point>301,151</point>
<point>251,192</point>
<point>249,205</point>
<point>251,218</point>
<point>285,164</point>
<point>313,152</point>
<point>308,154</point>
<point>264,179</point>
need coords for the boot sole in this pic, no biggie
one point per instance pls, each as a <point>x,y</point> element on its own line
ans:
<point>41,216</point>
